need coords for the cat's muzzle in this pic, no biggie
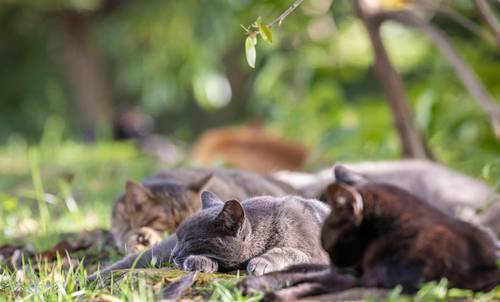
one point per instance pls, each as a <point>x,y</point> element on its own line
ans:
<point>175,256</point>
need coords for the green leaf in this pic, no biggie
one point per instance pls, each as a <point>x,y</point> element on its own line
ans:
<point>266,33</point>
<point>258,22</point>
<point>250,51</point>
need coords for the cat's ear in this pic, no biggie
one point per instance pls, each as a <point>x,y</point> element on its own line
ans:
<point>345,200</point>
<point>135,193</point>
<point>201,183</point>
<point>231,218</point>
<point>347,176</point>
<point>209,199</point>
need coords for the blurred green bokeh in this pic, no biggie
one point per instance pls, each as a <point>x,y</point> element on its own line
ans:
<point>183,61</point>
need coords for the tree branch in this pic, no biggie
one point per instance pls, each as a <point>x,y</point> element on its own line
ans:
<point>285,14</point>
<point>454,15</point>
<point>412,142</point>
<point>463,71</point>
<point>488,17</point>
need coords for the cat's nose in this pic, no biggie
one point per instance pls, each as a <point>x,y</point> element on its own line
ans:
<point>175,252</point>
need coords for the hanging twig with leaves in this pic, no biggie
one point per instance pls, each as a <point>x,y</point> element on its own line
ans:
<point>264,30</point>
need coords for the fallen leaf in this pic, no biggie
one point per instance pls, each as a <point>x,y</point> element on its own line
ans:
<point>12,255</point>
<point>61,248</point>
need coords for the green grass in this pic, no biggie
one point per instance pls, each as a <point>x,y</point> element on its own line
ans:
<point>62,187</point>
<point>439,291</point>
<point>46,191</point>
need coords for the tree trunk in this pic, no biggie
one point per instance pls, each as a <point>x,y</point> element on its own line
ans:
<point>86,74</point>
<point>412,141</point>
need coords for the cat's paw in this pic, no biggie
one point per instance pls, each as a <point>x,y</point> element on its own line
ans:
<point>259,266</point>
<point>143,239</point>
<point>137,248</point>
<point>148,236</point>
<point>200,263</point>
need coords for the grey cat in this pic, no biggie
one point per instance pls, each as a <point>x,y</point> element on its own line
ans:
<point>261,235</point>
<point>452,192</point>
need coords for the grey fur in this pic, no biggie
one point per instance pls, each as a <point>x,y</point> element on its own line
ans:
<point>176,196</point>
<point>276,232</point>
<point>273,233</point>
<point>450,191</point>
<point>154,256</point>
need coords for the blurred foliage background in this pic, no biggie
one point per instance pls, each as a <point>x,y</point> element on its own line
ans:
<point>69,66</point>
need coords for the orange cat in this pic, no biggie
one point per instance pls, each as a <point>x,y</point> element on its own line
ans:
<point>249,148</point>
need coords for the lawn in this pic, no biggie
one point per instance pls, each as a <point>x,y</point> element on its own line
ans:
<point>65,190</point>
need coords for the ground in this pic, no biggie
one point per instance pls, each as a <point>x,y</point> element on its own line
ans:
<point>58,196</point>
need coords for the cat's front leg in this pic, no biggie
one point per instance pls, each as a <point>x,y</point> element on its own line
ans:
<point>155,255</point>
<point>200,263</point>
<point>276,259</point>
